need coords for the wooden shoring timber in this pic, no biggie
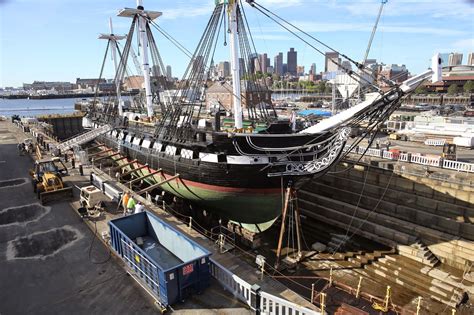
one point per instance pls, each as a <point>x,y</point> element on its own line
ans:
<point>124,165</point>
<point>107,156</point>
<point>143,177</point>
<point>101,152</point>
<point>134,170</point>
<point>95,147</point>
<point>141,192</point>
<point>119,159</point>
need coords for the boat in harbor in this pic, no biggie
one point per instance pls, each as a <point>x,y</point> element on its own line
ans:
<point>236,168</point>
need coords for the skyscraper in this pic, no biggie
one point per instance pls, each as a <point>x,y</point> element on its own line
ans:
<point>292,61</point>
<point>169,74</point>
<point>455,59</point>
<point>313,69</point>
<point>155,70</point>
<point>332,62</point>
<point>257,64</point>
<point>223,69</point>
<point>470,59</point>
<point>278,64</point>
<point>251,65</point>
<point>264,62</point>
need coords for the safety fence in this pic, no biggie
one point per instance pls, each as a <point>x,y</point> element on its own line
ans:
<point>259,301</point>
<point>415,158</point>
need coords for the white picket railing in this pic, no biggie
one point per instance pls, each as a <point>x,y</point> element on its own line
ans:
<point>388,155</point>
<point>415,158</point>
<point>435,142</point>
<point>269,304</point>
<point>425,160</point>
<point>273,305</point>
<point>458,166</point>
<point>240,288</point>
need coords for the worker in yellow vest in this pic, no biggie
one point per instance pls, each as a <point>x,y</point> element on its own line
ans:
<point>131,205</point>
<point>125,199</point>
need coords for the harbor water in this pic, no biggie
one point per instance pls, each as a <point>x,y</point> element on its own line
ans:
<point>29,108</point>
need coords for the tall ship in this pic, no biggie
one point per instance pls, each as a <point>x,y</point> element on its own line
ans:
<point>234,161</point>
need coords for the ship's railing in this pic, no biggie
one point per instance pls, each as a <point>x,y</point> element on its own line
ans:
<point>255,298</point>
<point>414,158</point>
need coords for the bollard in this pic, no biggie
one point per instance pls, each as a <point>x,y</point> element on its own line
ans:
<point>221,242</point>
<point>81,170</point>
<point>323,303</point>
<point>418,306</point>
<point>312,293</point>
<point>453,311</point>
<point>190,226</point>
<point>358,287</point>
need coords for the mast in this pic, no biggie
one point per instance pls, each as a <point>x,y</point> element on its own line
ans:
<point>234,61</point>
<point>143,17</point>
<point>113,40</point>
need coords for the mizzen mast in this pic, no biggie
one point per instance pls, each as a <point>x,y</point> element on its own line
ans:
<point>113,40</point>
<point>144,16</point>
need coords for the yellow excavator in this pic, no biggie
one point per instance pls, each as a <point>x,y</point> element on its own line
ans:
<point>47,181</point>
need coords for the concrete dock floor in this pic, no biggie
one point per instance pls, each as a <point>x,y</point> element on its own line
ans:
<point>51,263</point>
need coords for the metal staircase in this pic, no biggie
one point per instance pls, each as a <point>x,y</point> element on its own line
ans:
<point>84,138</point>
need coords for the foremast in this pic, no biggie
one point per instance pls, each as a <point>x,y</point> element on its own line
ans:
<point>144,17</point>
<point>113,40</point>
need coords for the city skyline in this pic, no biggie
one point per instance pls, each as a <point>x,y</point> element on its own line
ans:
<point>409,33</point>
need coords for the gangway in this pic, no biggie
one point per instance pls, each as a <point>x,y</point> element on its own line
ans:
<point>84,138</point>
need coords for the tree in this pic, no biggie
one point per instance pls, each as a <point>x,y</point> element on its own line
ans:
<point>469,87</point>
<point>321,87</point>
<point>421,90</point>
<point>328,89</point>
<point>453,89</point>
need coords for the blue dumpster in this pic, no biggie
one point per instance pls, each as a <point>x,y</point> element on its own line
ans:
<point>169,263</point>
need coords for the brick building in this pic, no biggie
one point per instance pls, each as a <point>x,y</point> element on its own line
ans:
<point>252,94</point>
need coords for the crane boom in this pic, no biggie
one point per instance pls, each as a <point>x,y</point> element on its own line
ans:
<point>373,31</point>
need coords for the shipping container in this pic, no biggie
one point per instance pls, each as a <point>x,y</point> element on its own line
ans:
<point>170,264</point>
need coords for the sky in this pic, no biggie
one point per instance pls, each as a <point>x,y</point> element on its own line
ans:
<point>56,40</point>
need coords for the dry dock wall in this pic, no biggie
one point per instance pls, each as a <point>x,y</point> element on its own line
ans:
<point>401,207</point>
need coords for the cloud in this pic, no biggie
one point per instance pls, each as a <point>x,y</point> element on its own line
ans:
<point>467,44</point>
<point>272,4</point>
<point>187,11</point>
<point>324,27</point>
<point>273,37</point>
<point>435,9</point>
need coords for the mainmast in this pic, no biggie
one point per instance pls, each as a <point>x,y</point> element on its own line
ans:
<point>113,40</point>
<point>234,61</point>
<point>143,18</point>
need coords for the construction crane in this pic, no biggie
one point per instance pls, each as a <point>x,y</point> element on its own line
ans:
<point>382,4</point>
